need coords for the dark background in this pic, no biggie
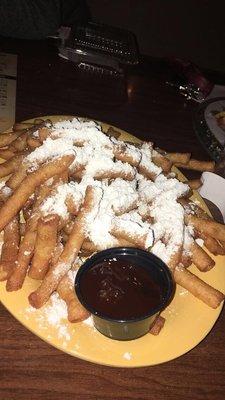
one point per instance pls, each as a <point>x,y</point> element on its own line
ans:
<point>192,29</point>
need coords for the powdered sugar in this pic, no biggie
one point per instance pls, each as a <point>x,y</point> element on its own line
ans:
<point>56,204</point>
<point>135,228</point>
<point>146,160</point>
<point>159,249</point>
<point>150,190</point>
<point>89,322</point>
<point>127,197</point>
<point>53,314</point>
<point>49,149</point>
<point>95,154</point>
<point>72,275</point>
<point>2,184</point>
<point>127,355</point>
<point>35,134</point>
<point>98,229</point>
<point>7,191</point>
<point>81,131</point>
<point>169,219</point>
<point>188,237</point>
<point>200,242</point>
<point>56,311</point>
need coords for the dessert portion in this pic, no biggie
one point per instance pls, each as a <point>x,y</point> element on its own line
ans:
<point>69,190</point>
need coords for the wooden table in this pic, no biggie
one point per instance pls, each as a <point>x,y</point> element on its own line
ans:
<point>29,367</point>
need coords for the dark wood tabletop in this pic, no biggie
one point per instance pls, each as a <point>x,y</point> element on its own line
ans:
<point>145,106</point>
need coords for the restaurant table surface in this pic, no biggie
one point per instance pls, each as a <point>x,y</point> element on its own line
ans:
<point>151,110</point>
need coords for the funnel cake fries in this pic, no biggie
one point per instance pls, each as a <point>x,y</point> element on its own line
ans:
<point>9,248</point>
<point>65,289</point>
<point>45,245</point>
<point>72,247</point>
<point>70,190</point>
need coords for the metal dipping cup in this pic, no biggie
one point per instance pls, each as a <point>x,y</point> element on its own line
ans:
<point>130,328</point>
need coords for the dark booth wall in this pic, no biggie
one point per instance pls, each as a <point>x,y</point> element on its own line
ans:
<point>192,29</point>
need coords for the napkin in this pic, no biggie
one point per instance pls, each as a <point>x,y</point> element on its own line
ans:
<point>213,189</point>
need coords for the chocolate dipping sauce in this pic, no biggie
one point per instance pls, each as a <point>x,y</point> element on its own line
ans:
<point>119,289</point>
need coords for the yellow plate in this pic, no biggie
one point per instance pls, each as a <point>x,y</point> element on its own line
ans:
<point>188,321</point>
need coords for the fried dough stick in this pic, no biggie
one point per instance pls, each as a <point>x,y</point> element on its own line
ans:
<point>109,174</point>
<point>132,232</point>
<point>44,247</point>
<point>113,132</point>
<point>10,165</point>
<point>31,126</point>
<point>129,176</point>
<point>197,165</point>
<point>16,279</point>
<point>124,152</point>
<point>44,133</point>
<point>6,154</point>
<point>182,158</point>
<point>17,177</point>
<point>175,258</point>
<point>33,143</point>
<point>15,203</point>
<point>146,167</point>
<point>208,227</point>
<point>20,126</point>
<point>162,161</point>
<point>200,289</point>
<point>72,247</point>
<point>20,143</point>
<point>65,289</point>
<point>215,247</point>
<point>211,244</point>
<point>27,245</point>
<point>200,258</point>
<point>14,181</point>
<point>26,248</point>
<point>91,247</point>
<point>137,240</point>
<point>157,325</point>
<point>7,138</point>
<point>194,184</point>
<point>26,131</point>
<point>9,248</point>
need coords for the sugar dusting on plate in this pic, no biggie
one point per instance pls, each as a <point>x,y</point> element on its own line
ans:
<point>53,314</point>
<point>127,355</point>
<point>89,322</point>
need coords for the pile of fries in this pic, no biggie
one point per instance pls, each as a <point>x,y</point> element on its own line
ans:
<point>69,189</point>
